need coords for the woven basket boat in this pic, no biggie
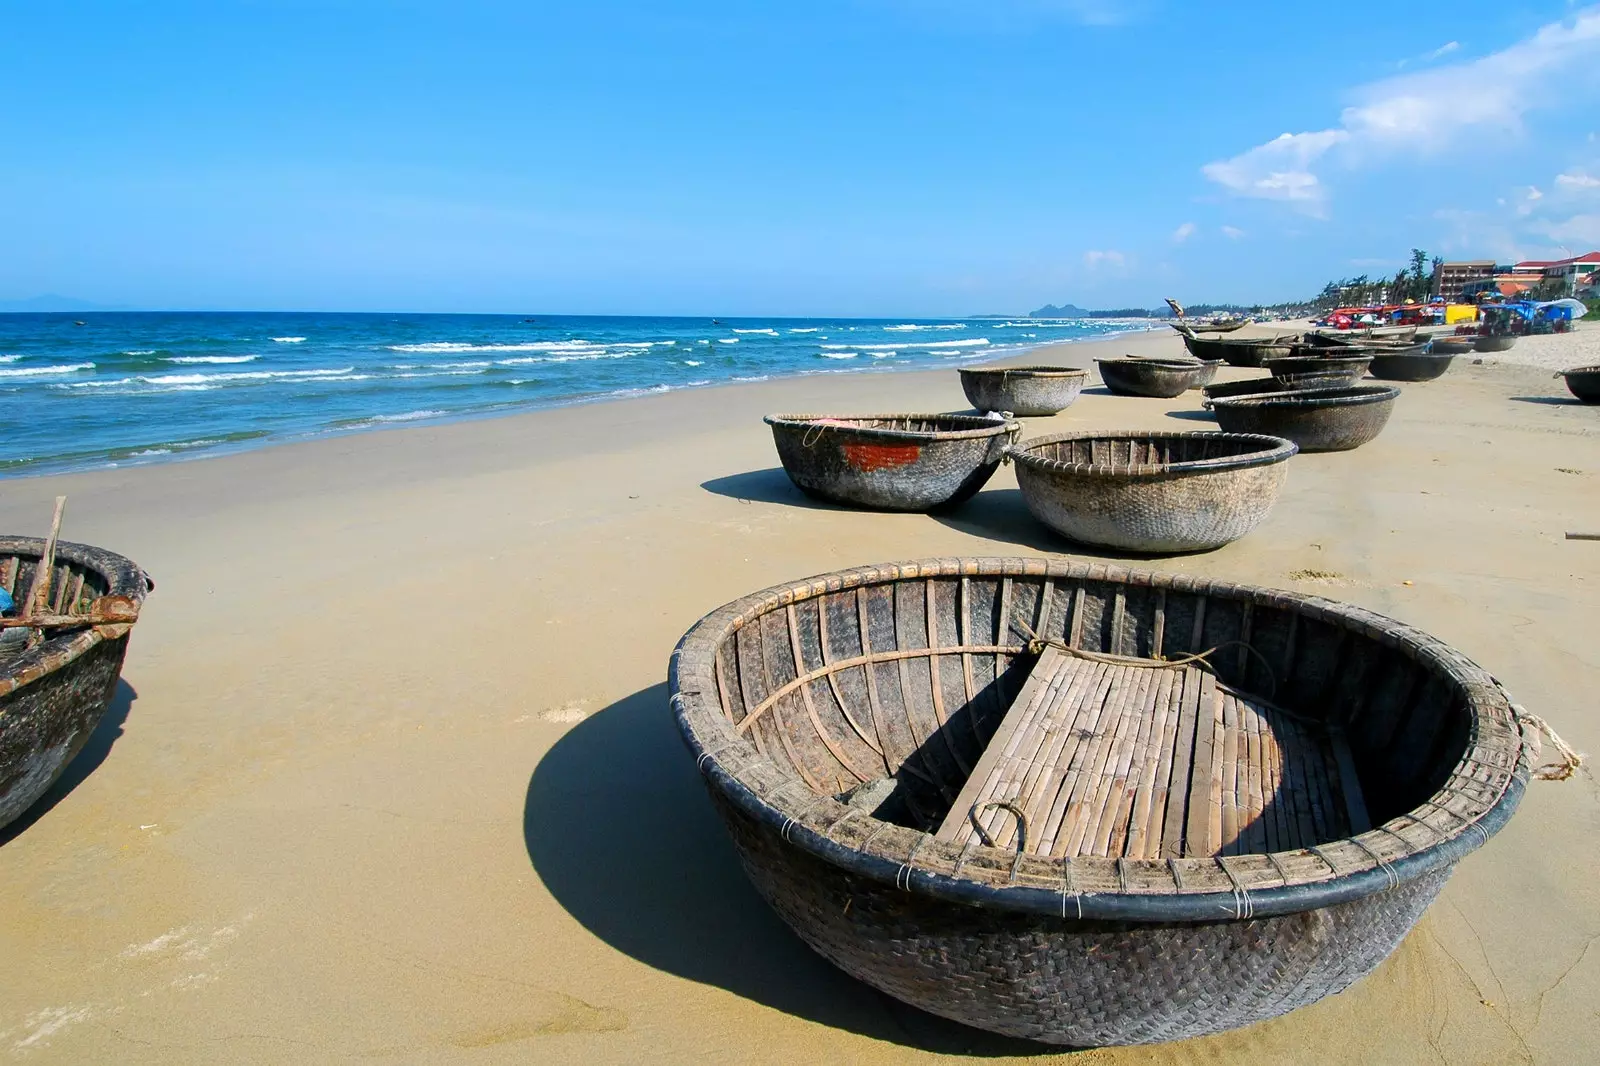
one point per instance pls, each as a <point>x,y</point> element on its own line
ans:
<point>1493,344</point>
<point>1235,351</point>
<point>1299,367</point>
<point>1258,386</point>
<point>1029,391</point>
<point>1384,335</point>
<point>1381,758</point>
<point>1452,345</point>
<point>891,462</point>
<point>1208,372</point>
<point>1151,491</point>
<point>1152,377</point>
<point>1319,420</point>
<point>53,695</point>
<point>1417,364</point>
<point>1584,382</point>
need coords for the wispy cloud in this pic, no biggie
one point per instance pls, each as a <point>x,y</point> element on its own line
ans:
<point>1429,57</point>
<point>1577,180</point>
<point>1010,12</point>
<point>1422,113</point>
<point>1109,259</point>
<point>1183,233</point>
<point>1233,233</point>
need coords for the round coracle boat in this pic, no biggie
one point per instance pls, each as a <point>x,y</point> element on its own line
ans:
<point>891,462</point>
<point>1152,377</point>
<point>57,681</point>
<point>1418,364</point>
<point>1319,420</point>
<point>1301,367</point>
<point>1583,382</point>
<point>1496,343</point>
<point>1452,345</point>
<point>1085,805</point>
<point>1030,391</point>
<point>1258,386</point>
<point>1152,491</point>
<point>1208,372</point>
<point>1236,352</point>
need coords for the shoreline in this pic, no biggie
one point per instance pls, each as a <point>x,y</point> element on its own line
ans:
<point>162,453</point>
<point>465,830</point>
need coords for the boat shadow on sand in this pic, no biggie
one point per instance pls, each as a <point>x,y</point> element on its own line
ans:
<point>622,833</point>
<point>93,753</point>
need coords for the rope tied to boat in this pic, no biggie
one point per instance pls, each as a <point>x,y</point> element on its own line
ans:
<point>1571,760</point>
<point>1037,645</point>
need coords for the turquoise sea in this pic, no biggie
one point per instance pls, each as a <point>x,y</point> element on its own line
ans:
<point>98,389</point>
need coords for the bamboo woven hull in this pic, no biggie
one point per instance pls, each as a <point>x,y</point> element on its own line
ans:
<point>1452,345</point>
<point>892,471</point>
<point>1300,367</point>
<point>1032,392</point>
<point>1066,982</point>
<point>1411,366</point>
<point>51,699</point>
<point>1147,377</point>
<point>793,699</point>
<point>1493,344</point>
<point>1584,383</point>
<point>1320,421</point>
<point>1234,353</point>
<point>1167,511</point>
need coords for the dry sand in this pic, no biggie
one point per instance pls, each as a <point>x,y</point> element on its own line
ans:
<point>391,776</point>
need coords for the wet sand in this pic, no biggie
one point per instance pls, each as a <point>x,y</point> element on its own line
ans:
<point>391,776</point>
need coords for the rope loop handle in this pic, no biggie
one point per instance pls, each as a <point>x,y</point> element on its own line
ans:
<point>1004,805</point>
<point>1534,726</point>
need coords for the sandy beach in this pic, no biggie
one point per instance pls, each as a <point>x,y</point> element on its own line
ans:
<point>390,775</point>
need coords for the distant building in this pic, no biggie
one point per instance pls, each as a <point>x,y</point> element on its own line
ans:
<point>1450,279</point>
<point>1503,282</point>
<point>1574,274</point>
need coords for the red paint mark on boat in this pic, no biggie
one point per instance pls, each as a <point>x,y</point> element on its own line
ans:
<point>869,457</point>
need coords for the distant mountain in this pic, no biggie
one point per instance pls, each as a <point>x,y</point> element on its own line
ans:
<point>1064,311</point>
<point>52,302</point>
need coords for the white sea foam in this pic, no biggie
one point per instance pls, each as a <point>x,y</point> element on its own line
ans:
<point>702,342</point>
<point>288,340</point>
<point>890,354</point>
<point>204,358</point>
<point>840,355</point>
<point>910,327</point>
<point>765,332</point>
<point>453,347</point>
<point>140,351</point>
<point>476,365</point>
<point>31,371</point>
<point>920,345</point>
<point>249,375</point>
<point>409,416</point>
<point>692,362</point>
<point>805,329</point>
<point>727,340</point>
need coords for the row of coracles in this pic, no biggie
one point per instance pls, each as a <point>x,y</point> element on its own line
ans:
<point>1137,490</point>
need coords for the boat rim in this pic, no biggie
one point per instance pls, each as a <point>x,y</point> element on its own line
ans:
<point>1271,450</point>
<point>1199,889</point>
<point>123,578</point>
<point>982,426</point>
<point>1362,395</point>
<point>1027,371</point>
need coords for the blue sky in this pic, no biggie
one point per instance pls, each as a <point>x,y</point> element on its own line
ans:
<point>857,157</point>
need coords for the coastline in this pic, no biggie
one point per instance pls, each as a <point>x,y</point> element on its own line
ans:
<point>202,366</point>
<point>392,775</point>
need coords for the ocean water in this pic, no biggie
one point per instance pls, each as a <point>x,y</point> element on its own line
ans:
<point>139,387</point>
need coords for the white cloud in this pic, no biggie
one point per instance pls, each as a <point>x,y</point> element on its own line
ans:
<point>1110,259</point>
<point>1183,233</point>
<point>1233,233</point>
<point>1443,50</point>
<point>1577,180</point>
<point>1424,112</point>
<point>1577,230</point>
<point>1279,169</point>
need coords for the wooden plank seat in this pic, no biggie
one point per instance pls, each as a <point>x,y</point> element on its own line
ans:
<point>1141,759</point>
